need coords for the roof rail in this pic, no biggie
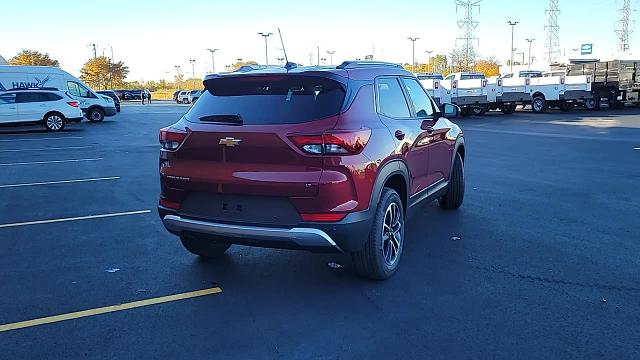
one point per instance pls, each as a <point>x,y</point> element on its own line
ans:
<point>361,64</point>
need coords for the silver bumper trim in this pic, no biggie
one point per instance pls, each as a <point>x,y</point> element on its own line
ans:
<point>304,237</point>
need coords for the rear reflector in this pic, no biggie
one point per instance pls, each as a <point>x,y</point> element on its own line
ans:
<point>323,217</point>
<point>170,139</point>
<point>170,204</point>
<point>73,103</point>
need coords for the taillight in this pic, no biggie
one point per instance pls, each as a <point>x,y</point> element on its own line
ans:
<point>170,139</point>
<point>333,143</point>
<point>73,103</point>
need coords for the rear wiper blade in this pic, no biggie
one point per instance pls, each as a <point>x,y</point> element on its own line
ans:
<point>223,119</point>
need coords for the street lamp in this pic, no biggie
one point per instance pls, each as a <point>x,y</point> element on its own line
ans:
<point>429,60</point>
<point>331,52</point>
<point>213,60</point>
<point>513,26</point>
<point>193,73</point>
<point>266,52</point>
<point>530,41</point>
<point>413,52</point>
<point>177,67</point>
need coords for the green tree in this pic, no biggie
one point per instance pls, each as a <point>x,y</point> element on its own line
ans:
<point>101,73</point>
<point>33,57</point>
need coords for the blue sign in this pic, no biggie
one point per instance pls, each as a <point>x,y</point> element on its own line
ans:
<point>586,49</point>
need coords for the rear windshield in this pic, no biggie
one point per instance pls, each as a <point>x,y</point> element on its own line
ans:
<point>277,99</point>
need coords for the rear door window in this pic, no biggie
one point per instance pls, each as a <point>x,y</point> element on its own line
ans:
<point>391,100</point>
<point>272,99</point>
<point>30,97</point>
<point>8,98</point>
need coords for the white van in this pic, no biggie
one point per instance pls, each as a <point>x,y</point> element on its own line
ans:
<point>94,106</point>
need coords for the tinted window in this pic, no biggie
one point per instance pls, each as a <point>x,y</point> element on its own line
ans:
<point>52,96</point>
<point>274,99</point>
<point>29,97</point>
<point>9,98</point>
<point>421,102</point>
<point>391,101</point>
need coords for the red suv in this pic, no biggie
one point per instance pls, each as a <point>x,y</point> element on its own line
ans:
<point>326,159</point>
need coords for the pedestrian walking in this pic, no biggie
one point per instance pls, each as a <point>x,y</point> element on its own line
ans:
<point>143,96</point>
<point>148,97</point>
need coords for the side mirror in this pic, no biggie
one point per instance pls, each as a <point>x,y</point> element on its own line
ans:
<point>451,111</point>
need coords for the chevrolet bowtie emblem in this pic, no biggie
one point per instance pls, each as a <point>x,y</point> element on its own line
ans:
<point>230,142</point>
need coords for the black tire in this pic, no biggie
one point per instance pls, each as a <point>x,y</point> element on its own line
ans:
<point>479,111</point>
<point>203,246</point>
<point>592,104</point>
<point>372,261</point>
<point>565,107</point>
<point>508,109</point>
<point>54,122</point>
<point>539,104</point>
<point>455,194</point>
<point>95,115</point>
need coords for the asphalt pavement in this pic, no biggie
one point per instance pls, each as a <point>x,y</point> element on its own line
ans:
<point>541,261</point>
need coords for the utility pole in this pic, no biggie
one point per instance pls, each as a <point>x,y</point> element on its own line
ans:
<point>193,73</point>
<point>413,53</point>
<point>213,60</point>
<point>266,47</point>
<point>553,31</point>
<point>513,26</point>
<point>530,41</point>
<point>429,60</point>
<point>468,24</point>
<point>177,67</point>
<point>331,52</point>
<point>622,28</point>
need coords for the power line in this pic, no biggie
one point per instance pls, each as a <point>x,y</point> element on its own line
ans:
<point>623,30</point>
<point>553,31</point>
<point>468,24</point>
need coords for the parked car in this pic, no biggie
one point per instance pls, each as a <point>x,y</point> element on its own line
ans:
<point>94,106</point>
<point>183,97</point>
<point>465,76</point>
<point>175,95</point>
<point>112,94</point>
<point>194,95</point>
<point>51,108</point>
<point>135,94</point>
<point>299,158</point>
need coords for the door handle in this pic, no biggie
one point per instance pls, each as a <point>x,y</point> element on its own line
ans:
<point>399,135</point>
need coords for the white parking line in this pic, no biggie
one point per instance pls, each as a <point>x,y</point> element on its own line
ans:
<point>59,182</point>
<point>48,148</point>
<point>49,162</point>
<point>38,139</point>
<point>101,216</point>
<point>638,148</point>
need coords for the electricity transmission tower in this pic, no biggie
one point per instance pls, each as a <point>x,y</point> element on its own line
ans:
<point>622,28</point>
<point>553,31</point>
<point>467,24</point>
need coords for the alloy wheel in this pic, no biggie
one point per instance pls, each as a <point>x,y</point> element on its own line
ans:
<point>54,122</point>
<point>392,234</point>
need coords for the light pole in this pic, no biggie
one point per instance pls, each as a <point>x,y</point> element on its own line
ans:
<point>266,51</point>
<point>213,60</point>
<point>429,60</point>
<point>177,67</point>
<point>413,52</point>
<point>530,41</point>
<point>193,73</point>
<point>331,52</point>
<point>513,26</point>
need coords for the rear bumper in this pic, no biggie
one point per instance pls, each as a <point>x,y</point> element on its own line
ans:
<point>110,111</point>
<point>76,119</point>
<point>348,235</point>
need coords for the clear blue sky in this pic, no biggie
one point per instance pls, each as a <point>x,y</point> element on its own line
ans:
<point>153,36</point>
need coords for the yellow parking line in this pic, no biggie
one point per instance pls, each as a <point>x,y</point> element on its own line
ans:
<point>108,309</point>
